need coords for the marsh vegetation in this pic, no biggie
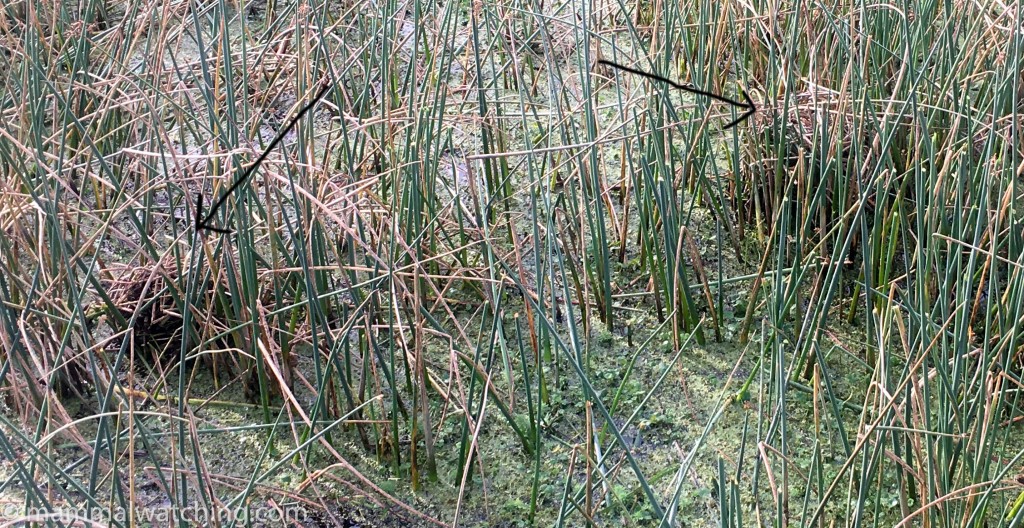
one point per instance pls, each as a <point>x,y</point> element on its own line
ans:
<point>488,281</point>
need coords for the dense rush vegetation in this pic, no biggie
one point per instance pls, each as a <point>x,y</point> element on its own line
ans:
<point>490,281</point>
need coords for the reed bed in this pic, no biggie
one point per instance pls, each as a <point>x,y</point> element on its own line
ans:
<point>489,281</point>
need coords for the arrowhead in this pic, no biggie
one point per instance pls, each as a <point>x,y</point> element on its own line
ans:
<point>203,223</point>
<point>748,105</point>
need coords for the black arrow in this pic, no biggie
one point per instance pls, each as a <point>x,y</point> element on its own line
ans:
<point>748,105</point>
<point>202,222</point>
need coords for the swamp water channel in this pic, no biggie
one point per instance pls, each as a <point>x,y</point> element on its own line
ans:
<point>542,294</point>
